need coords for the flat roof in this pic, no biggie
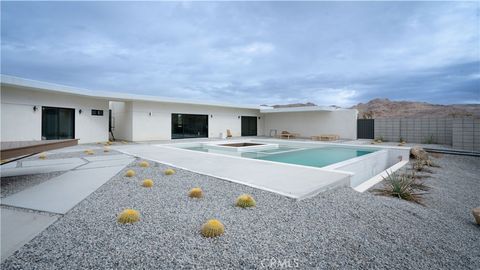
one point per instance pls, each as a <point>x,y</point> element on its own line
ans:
<point>17,82</point>
<point>299,109</point>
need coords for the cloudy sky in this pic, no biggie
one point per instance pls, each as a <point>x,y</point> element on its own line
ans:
<point>250,52</point>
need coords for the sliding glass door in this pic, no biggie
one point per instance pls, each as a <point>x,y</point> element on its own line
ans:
<point>189,126</point>
<point>58,123</point>
<point>249,126</point>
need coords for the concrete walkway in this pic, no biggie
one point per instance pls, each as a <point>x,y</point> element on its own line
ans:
<point>62,193</point>
<point>56,196</point>
<point>19,227</point>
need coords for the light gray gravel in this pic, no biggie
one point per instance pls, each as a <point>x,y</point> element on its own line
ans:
<point>14,184</point>
<point>339,229</point>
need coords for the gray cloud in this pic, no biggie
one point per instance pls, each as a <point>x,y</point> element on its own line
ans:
<point>250,52</point>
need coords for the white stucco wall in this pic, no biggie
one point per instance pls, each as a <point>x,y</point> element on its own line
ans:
<point>158,125</point>
<point>20,123</point>
<point>339,122</point>
<point>122,118</point>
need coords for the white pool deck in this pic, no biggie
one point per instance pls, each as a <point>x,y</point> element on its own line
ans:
<point>294,181</point>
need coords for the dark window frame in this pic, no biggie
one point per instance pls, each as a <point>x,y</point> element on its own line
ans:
<point>57,108</point>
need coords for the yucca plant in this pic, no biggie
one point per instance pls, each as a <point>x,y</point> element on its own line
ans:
<point>401,186</point>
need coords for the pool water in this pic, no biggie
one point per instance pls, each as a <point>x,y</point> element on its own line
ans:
<point>314,157</point>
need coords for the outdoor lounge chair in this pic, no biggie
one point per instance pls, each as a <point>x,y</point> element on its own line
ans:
<point>325,137</point>
<point>287,135</point>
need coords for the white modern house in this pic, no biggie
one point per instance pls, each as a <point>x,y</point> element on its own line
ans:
<point>34,110</point>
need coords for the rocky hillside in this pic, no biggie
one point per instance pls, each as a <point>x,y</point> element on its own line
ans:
<point>384,108</point>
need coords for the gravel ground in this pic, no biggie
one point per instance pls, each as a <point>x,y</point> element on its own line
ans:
<point>339,229</point>
<point>14,184</point>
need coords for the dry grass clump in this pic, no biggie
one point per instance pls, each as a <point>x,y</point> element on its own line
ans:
<point>169,171</point>
<point>212,228</point>
<point>245,201</point>
<point>42,155</point>
<point>128,216</point>
<point>404,187</point>
<point>147,183</point>
<point>143,164</point>
<point>130,173</point>
<point>195,193</point>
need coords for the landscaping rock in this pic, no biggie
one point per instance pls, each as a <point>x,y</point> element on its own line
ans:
<point>476,214</point>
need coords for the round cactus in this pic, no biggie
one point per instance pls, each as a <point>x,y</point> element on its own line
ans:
<point>147,183</point>
<point>128,216</point>
<point>130,173</point>
<point>212,228</point>
<point>245,200</point>
<point>195,193</point>
<point>42,155</point>
<point>143,164</point>
<point>169,171</point>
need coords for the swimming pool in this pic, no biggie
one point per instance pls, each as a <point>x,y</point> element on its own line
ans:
<point>315,157</point>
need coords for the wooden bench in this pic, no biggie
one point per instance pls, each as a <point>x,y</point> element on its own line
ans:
<point>329,137</point>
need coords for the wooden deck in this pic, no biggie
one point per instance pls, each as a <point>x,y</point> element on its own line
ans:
<point>23,148</point>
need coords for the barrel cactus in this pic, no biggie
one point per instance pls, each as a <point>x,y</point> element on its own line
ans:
<point>147,183</point>
<point>143,164</point>
<point>128,216</point>
<point>195,193</point>
<point>130,173</point>
<point>169,171</point>
<point>212,228</point>
<point>245,200</point>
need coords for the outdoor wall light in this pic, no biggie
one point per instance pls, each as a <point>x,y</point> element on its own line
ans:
<point>211,115</point>
<point>259,117</point>
<point>239,117</point>
<point>150,114</point>
<point>80,111</point>
<point>35,108</point>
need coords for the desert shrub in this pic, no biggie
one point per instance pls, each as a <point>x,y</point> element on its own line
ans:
<point>401,186</point>
<point>169,171</point>
<point>143,164</point>
<point>212,228</point>
<point>130,173</point>
<point>128,216</point>
<point>245,200</point>
<point>417,152</point>
<point>195,193</point>
<point>147,183</point>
